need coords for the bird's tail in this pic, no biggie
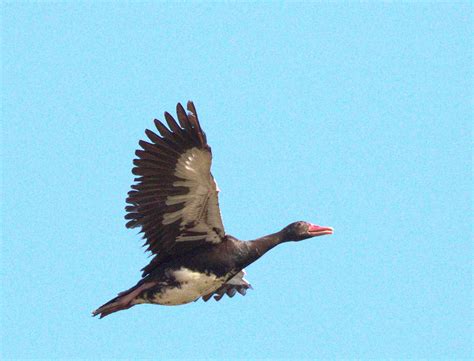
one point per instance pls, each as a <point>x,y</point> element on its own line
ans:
<point>123,301</point>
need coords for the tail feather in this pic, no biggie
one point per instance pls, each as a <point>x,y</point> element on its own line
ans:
<point>112,306</point>
<point>123,301</point>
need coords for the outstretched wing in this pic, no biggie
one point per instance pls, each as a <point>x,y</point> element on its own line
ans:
<point>174,199</point>
<point>236,284</point>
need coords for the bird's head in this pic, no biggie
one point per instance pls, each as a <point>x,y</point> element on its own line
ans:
<point>298,231</point>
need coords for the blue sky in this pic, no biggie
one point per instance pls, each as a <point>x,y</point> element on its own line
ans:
<point>354,116</point>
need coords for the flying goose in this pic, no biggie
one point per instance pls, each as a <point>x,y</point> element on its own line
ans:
<point>174,203</point>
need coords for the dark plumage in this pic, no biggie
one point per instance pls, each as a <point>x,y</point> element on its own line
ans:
<point>174,202</point>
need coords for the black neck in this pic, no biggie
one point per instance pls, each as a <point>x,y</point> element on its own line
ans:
<point>258,247</point>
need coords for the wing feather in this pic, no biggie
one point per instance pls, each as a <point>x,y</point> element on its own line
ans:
<point>236,284</point>
<point>174,200</point>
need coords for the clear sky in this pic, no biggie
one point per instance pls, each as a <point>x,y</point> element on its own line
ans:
<point>352,116</point>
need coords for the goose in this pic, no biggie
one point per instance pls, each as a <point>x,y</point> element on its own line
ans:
<point>174,203</point>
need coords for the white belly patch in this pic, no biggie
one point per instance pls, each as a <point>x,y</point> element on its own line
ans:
<point>192,286</point>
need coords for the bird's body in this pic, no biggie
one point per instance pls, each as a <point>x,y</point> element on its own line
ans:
<point>199,273</point>
<point>175,203</point>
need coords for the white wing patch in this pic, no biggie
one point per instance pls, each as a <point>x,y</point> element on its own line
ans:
<point>201,209</point>
<point>236,284</point>
<point>238,279</point>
